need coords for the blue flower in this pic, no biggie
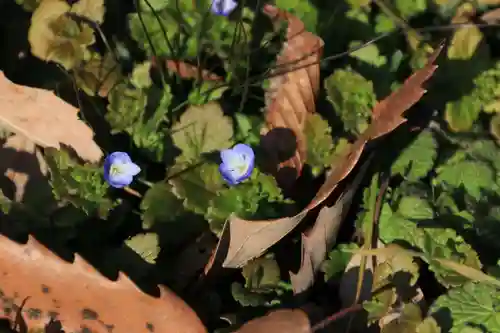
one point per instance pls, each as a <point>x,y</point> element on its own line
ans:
<point>237,163</point>
<point>119,170</point>
<point>223,7</point>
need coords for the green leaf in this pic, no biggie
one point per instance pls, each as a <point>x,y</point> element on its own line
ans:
<point>140,113</point>
<point>353,98</point>
<point>140,75</point>
<point>146,245</point>
<point>473,176</point>
<point>462,114</point>
<point>415,208</point>
<point>337,260</point>
<point>198,186</point>
<point>464,43</point>
<point>246,297</point>
<point>444,243</point>
<point>98,74</point>
<point>407,322</point>
<point>205,93</point>
<point>429,325</point>
<point>29,5</point>
<point>83,186</point>
<point>202,129</point>
<point>473,304</point>
<point>408,9</point>
<point>261,275</point>
<point>159,204</point>
<point>418,158</point>
<point>252,199</point>
<point>304,10</point>
<point>369,54</point>
<point>319,142</point>
<point>495,126</point>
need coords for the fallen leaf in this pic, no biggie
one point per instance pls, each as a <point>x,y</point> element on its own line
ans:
<point>388,113</point>
<point>23,165</point>
<point>317,241</point>
<point>45,119</point>
<point>279,321</point>
<point>31,271</point>
<point>491,16</point>
<point>249,239</point>
<point>291,94</point>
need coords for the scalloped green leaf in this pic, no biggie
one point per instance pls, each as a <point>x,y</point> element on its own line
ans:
<point>160,205</point>
<point>416,160</point>
<point>473,176</point>
<point>471,305</point>
<point>140,75</point>
<point>202,129</point>
<point>197,186</point>
<point>98,74</point>
<point>442,243</point>
<point>319,143</point>
<point>353,98</point>
<point>140,113</point>
<point>83,186</point>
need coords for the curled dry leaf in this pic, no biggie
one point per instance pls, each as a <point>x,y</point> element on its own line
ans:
<point>188,71</point>
<point>249,239</point>
<point>291,94</point>
<point>279,321</point>
<point>319,239</point>
<point>82,299</point>
<point>45,119</point>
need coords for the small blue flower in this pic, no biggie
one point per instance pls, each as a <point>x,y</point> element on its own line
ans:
<point>223,7</point>
<point>119,170</point>
<point>237,163</point>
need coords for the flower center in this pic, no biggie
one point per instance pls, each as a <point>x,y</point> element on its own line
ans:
<point>115,170</point>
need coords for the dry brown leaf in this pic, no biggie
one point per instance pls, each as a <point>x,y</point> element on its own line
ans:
<point>279,321</point>
<point>291,96</point>
<point>318,240</point>
<point>188,71</point>
<point>491,16</point>
<point>249,239</point>
<point>45,119</point>
<point>79,297</point>
<point>23,165</point>
<point>388,113</point>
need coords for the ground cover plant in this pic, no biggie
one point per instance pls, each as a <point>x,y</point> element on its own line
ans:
<point>294,166</point>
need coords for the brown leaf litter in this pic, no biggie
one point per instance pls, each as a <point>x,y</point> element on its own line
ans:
<point>82,299</point>
<point>279,321</point>
<point>249,239</point>
<point>45,119</point>
<point>291,95</point>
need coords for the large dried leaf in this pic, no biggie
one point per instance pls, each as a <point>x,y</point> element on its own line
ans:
<point>318,240</point>
<point>291,95</point>
<point>279,321</point>
<point>79,297</point>
<point>249,239</point>
<point>45,119</point>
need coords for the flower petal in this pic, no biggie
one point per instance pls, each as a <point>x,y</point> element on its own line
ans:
<point>243,149</point>
<point>227,174</point>
<point>119,181</point>
<point>131,169</point>
<point>230,157</point>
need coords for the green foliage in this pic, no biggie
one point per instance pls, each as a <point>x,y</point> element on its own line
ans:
<point>202,129</point>
<point>353,98</point>
<point>471,305</point>
<point>146,245</point>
